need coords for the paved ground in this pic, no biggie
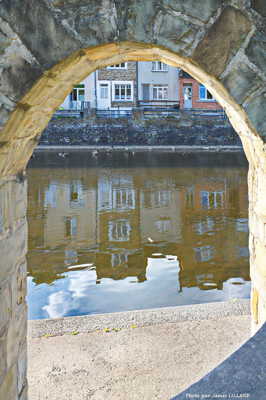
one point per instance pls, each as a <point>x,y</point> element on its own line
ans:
<point>154,361</point>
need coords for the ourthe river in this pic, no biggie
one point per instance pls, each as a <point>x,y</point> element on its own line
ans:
<point>124,231</point>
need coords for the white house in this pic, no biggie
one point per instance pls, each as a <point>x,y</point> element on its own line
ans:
<point>125,86</point>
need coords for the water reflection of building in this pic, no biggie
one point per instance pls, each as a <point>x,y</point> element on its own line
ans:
<point>219,237</point>
<point>107,217</point>
<point>71,211</point>
<point>160,211</point>
<point>118,227</point>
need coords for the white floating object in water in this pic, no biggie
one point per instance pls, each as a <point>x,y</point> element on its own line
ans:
<point>157,255</point>
<point>80,266</point>
<point>211,284</point>
<point>171,258</point>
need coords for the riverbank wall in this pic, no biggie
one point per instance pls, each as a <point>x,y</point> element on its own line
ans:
<point>181,130</point>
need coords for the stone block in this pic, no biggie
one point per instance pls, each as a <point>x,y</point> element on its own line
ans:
<point>16,334</point>
<point>256,51</point>
<point>240,81</point>
<point>175,32</point>
<point>5,304</point>
<point>3,355</point>
<point>12,250</point>
<point>256,110</point>
<point>222,41</point>
<point>22,368</point>
<point>189,7</point>
<point>259,6</point>
<point>8,389</point>
<point>24,394</point>
<point>13,201</point>
<point>21,283</point>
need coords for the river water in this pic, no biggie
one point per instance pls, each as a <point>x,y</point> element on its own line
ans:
<point>125,231</point>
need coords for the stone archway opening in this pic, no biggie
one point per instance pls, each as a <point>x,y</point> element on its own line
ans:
<point>35,109</point>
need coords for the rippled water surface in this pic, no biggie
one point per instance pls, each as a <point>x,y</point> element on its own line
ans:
<point>131,231</point>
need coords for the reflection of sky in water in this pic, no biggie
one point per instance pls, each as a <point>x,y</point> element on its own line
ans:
<point>116,218</point>
<point>78,293</point>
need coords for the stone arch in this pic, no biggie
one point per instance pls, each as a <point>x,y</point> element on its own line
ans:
<point>47,46</point>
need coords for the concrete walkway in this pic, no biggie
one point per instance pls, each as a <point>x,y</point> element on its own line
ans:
<point>153,354</point>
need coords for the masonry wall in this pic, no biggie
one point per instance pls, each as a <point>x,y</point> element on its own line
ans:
<point>13,271</point>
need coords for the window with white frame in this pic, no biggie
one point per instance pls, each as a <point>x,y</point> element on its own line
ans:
<point>119,230</point>
<point>71,226</point>
<point>50,195</point>
<point>123,199</point>
<point>204,94</point>
<point>211,200</point>
<point>119,259</point>
<point>123,91</point>
<point>104,89</point>
<point>78,93</point>
<point>162,198</point>
<point>204,253</point>
<point>204,226</point>
<point>163,225</point>
<point>158,66</point>
<point>160,92</point>
<point>118,66</point>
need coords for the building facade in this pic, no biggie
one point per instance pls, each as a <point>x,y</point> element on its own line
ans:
<point>157,83</point>
<point>126,85</point>
<point>193,95</point>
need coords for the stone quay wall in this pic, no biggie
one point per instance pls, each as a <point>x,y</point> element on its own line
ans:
<point>13,272</point>
<point>177,131</point>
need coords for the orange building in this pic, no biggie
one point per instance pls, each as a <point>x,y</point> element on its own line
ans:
<point>193,95</point>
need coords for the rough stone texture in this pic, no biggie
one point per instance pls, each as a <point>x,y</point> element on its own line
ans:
<point>211,131</point>
<point>242,80</point>
<point>13,311</point>
<point>256,51</point>
<point>259,6</point>
<point>256,109</point>
<point>222,41</point>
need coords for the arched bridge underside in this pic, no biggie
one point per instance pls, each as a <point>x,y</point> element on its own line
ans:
<point>48,46</point>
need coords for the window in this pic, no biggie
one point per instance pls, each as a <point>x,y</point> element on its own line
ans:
<point>242,225</point>
<point>71,226</point>
<point>163,225</point>
<point>211,199</point>
<point>71,257</point>
<point>50,196</point>
<point>204,253</point>
<point>160,92</point>
<point>158,66</point>
<point>204,94</point>
<point>162,198</point>
<point>204,226</point>
<point>123,198</point>
<point>123,92</point>
<point>104,91</point>
<point>190,197</point>
<point>75,194</point>
<point>119,230</point>
<point>118,66</point>
<point>119,259</point>
<point>78,93</point>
